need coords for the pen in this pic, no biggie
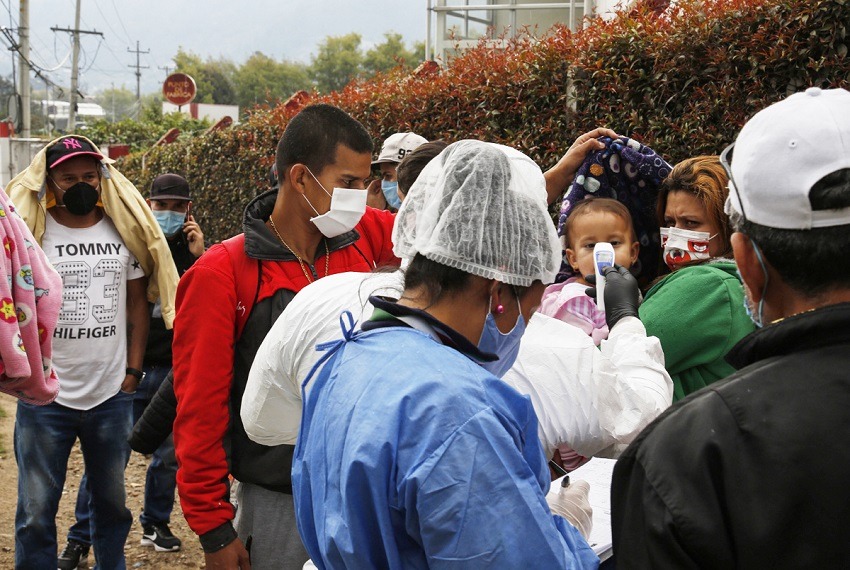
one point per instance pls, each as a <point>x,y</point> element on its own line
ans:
<point>557,468</point>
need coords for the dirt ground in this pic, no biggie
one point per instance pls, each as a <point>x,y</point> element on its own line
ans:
<point>138,556</point>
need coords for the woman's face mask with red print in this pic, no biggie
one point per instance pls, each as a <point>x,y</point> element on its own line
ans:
<point>682,247</point>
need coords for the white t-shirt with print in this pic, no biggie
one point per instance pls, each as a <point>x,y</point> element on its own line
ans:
<point>90,340</point>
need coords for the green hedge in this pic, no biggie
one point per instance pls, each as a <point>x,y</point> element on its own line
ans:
<point>141,134</point>
<point>683,82</point>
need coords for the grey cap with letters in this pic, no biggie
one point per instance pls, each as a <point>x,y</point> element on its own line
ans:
<point>398,146</point>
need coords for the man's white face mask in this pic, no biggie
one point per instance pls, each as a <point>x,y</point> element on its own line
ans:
<point>347,207</point>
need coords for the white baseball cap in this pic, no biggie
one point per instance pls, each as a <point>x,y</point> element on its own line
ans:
<point>398,146</point>
<point>782,152</point>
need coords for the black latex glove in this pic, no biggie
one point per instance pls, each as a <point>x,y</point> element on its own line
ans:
<point>622,295</point>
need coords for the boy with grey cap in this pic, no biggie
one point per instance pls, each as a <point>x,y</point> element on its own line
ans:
<point>394,149</point>
<point>752,471</point>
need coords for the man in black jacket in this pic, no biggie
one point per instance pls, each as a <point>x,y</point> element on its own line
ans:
<point>752,471</point>
<point>170,202</point>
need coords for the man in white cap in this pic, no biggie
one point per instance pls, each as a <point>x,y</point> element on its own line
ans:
<point>752,471</point>
<point>383,192</point>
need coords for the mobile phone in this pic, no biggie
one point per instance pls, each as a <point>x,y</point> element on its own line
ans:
<point>603,256</point>
<point>188,212</point>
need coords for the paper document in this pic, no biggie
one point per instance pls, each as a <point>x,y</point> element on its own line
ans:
<point>597,472</point>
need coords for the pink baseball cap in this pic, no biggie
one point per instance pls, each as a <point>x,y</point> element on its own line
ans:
<point>68,148</point>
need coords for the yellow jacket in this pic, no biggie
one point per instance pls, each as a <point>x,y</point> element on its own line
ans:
<point>127,209</point>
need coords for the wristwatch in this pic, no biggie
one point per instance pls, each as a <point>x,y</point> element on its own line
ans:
<point>135,372</point>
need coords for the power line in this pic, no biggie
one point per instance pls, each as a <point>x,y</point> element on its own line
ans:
<point>75,33</point>
<point>13,25</point>
<point>94,57</point>
<point>34,35</point>
<point>13,45</point>
<point>14,74</point>
<point>8,6</point>
<point>153,60</point>
<point>58,66</point>
<point>108,71</point>
<point>115,55</point>
<point>106,42</point>
<point>150,56</point>
<point>105,19</point>
<point>120,21</point>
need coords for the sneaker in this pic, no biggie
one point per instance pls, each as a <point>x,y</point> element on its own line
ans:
<point>74,555</point>
<point>159,536</point>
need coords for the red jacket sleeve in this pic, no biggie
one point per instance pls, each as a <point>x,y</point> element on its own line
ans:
<point>204,332</point>
<point>378,230</point>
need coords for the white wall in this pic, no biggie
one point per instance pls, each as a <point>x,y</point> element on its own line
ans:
<point>16,155</point>
<point>606,8</point>
<point>204,111</point>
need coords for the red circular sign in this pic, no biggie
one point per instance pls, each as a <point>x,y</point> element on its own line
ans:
<point>179,89</point>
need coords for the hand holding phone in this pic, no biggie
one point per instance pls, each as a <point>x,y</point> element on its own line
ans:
<point>193,232</point>
<point>603,256</point>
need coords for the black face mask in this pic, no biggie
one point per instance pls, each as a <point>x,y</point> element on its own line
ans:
<point>80,199</point>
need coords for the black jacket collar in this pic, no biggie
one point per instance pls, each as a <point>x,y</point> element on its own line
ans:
<point>812,329</point>
<point>260,243</point>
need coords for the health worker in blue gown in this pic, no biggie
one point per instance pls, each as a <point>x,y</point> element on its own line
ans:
<point>412,452</point>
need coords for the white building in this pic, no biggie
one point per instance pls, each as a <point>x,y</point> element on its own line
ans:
<point>462,23</point>
<point>208,111</point>
<point>57,114</point>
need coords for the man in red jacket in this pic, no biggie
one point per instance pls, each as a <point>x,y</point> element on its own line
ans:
<point>315,224</point>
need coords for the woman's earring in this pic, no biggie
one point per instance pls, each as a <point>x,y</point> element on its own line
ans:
<point>500,309</point>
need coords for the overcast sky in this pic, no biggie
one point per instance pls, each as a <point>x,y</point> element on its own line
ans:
<point>234,29</point>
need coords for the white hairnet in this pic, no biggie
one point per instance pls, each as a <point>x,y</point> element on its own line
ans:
<point>481,208</point>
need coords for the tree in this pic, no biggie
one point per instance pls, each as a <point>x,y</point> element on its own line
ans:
<point>151,107</point>
<point>418,53</point>
<point>390,54</point>
<point>338,61</point>
<point>7,89</point>
<point>214,78</point>
<point>119,103</point>
<point>262,79</point>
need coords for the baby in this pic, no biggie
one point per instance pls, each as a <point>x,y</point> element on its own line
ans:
<point>591,221</point>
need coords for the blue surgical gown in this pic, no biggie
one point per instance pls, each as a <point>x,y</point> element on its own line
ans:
<point>411,455</point>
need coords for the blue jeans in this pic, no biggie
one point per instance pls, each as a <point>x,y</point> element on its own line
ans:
<point>160,480</point>
<point>44,436</point>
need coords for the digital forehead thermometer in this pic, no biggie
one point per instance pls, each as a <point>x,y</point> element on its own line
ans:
<point>603,256</point>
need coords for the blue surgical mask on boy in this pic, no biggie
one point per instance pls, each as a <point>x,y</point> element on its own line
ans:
<point>505,346</point>
<point>171,222</point>
<point>390,190</point>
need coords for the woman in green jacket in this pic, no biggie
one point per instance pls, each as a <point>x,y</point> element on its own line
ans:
<point>697,311</point>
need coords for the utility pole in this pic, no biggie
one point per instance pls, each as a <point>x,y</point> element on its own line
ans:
<point>46,113</point>
<point>75,62</point>
<point>166,69</point>
<point>24,68</point>
<point>139,69</point>
<point>75,70</point>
